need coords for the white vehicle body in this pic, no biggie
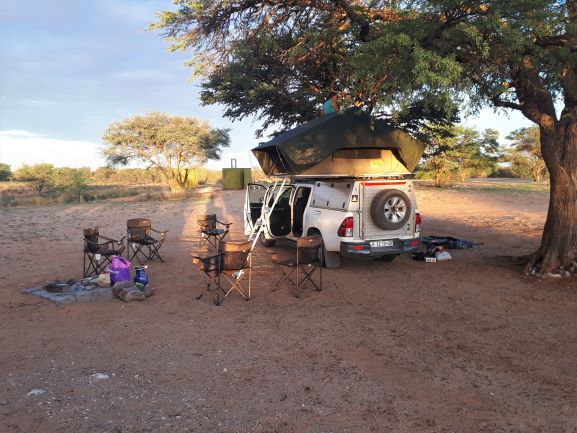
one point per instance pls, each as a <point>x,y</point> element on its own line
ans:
<point>357,217</point>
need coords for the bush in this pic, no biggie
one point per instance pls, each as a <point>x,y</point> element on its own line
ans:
<point>5,172</point>
<point>504,172</point>
<point>424,175</point>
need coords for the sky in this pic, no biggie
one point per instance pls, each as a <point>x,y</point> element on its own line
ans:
<point>69,68</point>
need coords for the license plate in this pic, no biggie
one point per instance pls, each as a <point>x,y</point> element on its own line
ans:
<point>375,244</point>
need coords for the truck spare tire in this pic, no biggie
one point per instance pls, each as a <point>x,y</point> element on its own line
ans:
<point>390,209</point>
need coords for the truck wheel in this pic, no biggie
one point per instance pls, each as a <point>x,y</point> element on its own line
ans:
<point>390,209</point>
<point>330,259</point>
<point>387,258</point>
<point>267,243</point>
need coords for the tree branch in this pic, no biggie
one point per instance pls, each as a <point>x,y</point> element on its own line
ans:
<point>556,41</point>
<point>498,102</point>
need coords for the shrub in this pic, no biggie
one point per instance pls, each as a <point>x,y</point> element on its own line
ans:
<point>5,172</point>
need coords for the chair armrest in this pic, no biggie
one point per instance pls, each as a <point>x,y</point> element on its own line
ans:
<point>224,224</point>
<point>113,240</point>
<point>101,244</point>
<point>207,262</point>
<point>162,232</point>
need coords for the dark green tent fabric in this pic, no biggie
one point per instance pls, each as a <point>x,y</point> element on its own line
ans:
<point>309,144</point>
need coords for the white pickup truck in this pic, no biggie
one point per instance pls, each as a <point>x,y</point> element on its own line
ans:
<point>373,218</point>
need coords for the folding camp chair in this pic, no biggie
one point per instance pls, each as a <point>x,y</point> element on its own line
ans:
<point>97,254</point>
<point>140,242</point>
<point>303,262</point>
<point>232,264</point>
<point>209,232</point>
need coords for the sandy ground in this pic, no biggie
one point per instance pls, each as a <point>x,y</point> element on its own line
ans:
<point>470,345</point>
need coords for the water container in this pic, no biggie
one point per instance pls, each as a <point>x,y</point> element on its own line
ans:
<point>140,277</point>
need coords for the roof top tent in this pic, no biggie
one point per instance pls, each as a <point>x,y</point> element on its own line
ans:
<point>346,144</point>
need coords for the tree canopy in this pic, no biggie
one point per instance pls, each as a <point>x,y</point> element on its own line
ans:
<point>173,144</point>
<point>42,177</point>
<point>279,60</point>
<point>414,62</point>
<point>457,152</point>
<point>525,152</point>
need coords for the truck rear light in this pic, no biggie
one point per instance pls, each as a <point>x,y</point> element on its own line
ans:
<point>418,222</point>
<point>346,228</point>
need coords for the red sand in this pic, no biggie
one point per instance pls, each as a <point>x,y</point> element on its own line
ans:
<point>470,345</point>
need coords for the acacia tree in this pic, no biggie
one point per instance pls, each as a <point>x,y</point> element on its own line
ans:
<point>411,61</point>
<point>173,144</point>
<point>459,152</point>
<point>40,176</point>
<point>526,151</point>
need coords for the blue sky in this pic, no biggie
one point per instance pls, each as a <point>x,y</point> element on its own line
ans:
<point>71,67</point>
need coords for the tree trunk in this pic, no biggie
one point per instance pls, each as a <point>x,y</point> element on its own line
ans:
<point>174,184</point>
<point>559,242</point>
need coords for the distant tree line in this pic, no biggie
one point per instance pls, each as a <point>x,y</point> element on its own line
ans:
<point>453,153</point>
<point>48,180</point>
<point>456,153</point>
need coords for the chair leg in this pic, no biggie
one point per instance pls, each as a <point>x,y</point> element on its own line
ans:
<point>236,284</point>
<point>218,300</point>
<point>154,253</point>
<point>136,252</point>
<point>93,266</point>
<point>84,265</point>
<point>285,276</point>
<point>249,274</point>
<point>156,248</point>
<point>89,269</point>
<point>297,286</point>
<point>309,277</point>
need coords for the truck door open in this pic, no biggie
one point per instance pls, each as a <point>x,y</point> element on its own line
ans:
<point>253,202</point>
<point>300,201</point>
<point>279,221</point>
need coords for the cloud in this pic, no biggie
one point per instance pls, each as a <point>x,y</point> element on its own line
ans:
<point>141,12</point>
<point>148,75</point>
<point>19,147</point>
<point>16,134</point>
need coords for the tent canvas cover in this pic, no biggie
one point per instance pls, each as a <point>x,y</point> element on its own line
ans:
<point>350,143</point>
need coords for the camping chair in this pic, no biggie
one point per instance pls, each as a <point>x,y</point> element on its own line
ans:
<point>303,262</point>
<point>141,243</point>
<point>209,232</point>
<point>232,264</point>
<point>97,254</point>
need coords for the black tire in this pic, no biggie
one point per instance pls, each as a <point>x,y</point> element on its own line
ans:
<point>267,243</point>
<point>391,209</point>
<point>387,258</point>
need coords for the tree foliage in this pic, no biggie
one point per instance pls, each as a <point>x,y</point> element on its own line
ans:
<point>173,144</point>
<point>457,153</point>
<point>525,153</point>
<point>279,60</point>
<point>42,177</point>
<point>5,172</point>
<point>74,181</point>
<point>414,62</point>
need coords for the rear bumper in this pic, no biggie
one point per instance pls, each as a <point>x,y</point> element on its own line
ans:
<point>365,250</point>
